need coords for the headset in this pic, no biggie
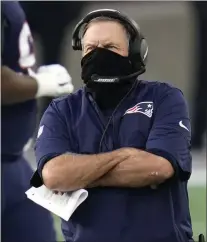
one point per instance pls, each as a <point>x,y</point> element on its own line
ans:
<point>138,48</point>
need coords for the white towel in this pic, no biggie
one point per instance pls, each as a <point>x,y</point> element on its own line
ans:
<point>63,205</point>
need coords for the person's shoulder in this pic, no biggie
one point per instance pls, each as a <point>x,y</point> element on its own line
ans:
<point>159,88</point>
<point>65,102</point>
<point>75,96</point>
<point>161,85</point>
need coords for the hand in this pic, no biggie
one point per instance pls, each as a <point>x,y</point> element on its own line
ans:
<point>53,80</point>
<point>129,152</point>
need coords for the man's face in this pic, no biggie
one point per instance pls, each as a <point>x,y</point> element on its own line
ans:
<point>106,34</point>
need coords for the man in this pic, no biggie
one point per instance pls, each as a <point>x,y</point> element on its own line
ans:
<point>125,140</point>
<point>22,220</point>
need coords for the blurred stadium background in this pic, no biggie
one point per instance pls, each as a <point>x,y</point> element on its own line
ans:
<point>172,31</point>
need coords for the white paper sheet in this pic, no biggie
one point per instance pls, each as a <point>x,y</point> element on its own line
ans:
<point>63,205</point>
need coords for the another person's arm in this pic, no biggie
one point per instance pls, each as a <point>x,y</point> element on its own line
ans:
<point>167,149</point>
<point>16,88</point>
<point>51,80</point>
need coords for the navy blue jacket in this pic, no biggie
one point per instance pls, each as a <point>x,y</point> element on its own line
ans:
<point>153,118</point>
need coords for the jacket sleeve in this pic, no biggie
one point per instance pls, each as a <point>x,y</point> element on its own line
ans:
<point>170,136</point>
<point>52,140</point>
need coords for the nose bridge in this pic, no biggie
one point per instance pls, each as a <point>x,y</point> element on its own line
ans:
<point>100,45</point>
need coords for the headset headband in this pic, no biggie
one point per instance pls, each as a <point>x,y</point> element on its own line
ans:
<point>130,24</point>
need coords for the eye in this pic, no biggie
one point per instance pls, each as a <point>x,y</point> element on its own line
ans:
<point>110,46</point>
<point>89,48</point>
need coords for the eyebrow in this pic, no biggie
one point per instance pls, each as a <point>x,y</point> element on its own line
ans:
<point>107,43</point>
<point>110,43</point>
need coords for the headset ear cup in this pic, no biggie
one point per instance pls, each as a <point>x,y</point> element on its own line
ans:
<point>79,44</point>
<point>134,53</point>
<point>144,50</point>
<point>76,44</point>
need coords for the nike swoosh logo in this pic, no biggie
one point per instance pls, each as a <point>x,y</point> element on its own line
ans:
<point>183,126</point>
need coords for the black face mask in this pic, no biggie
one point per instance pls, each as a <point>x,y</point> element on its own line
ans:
<point>103,62</point>
<point>106,63</point>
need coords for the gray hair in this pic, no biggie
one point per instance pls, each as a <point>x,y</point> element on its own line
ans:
<point>105,19</point>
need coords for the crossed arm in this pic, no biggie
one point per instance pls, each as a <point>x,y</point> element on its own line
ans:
<point>125,167</point>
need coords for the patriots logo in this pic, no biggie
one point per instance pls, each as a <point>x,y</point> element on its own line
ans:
<point>145,108</point>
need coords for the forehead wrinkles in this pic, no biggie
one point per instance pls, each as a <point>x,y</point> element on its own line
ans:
<point>105,20</point>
